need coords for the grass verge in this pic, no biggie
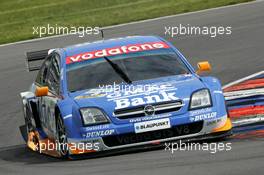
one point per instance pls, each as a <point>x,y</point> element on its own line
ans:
<point>17,18</point>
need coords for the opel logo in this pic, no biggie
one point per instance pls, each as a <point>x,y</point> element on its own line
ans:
<point>149,110</point>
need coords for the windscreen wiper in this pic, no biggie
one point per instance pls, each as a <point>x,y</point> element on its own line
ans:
<point>119,71</point>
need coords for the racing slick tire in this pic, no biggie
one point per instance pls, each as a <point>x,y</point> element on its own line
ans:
<point>28,119</point>
<point>61,138</point>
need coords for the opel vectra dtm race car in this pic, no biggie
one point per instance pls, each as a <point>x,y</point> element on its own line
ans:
<point>116,94</point>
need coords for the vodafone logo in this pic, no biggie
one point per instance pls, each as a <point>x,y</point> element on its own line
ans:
<point>116,51</point>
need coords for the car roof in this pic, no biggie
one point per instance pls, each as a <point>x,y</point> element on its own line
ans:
<point>109,43</point>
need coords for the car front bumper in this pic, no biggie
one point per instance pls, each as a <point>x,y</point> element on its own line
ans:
<point>205,129</point>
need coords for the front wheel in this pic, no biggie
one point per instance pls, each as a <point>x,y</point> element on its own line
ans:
<point>61,137</point>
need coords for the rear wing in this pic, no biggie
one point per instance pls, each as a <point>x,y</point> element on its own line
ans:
<point>34,59</point>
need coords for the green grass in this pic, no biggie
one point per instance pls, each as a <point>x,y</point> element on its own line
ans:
<point>17,17</point>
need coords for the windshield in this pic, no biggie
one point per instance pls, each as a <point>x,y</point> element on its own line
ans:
<point>137,66</point>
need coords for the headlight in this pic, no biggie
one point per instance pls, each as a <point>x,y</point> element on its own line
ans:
<point>93,116</point>
<point>200,99</point>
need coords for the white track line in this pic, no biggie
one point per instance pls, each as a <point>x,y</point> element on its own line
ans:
<point>136,22</point>
<point>243,79</point>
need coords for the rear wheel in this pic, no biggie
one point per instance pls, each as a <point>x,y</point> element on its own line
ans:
<point>30,128</point>
<point>28,119</point>
<point>61,137</point>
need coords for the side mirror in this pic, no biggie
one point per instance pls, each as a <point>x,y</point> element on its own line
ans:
<point>41,91</point>
<point>203,67</point>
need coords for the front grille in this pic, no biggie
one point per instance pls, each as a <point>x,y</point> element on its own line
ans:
<point>131,138</point>
<point>138,111</point>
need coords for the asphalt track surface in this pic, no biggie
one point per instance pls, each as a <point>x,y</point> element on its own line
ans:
<point>232,57</point>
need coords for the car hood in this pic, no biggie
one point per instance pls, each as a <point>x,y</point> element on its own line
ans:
<point>124,96</point>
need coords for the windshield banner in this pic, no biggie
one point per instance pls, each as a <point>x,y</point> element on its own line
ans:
<point>116,51</point>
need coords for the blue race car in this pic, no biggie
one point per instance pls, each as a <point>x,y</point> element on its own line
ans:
<point>116,94</point>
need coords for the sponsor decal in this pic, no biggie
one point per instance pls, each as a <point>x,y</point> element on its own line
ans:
<point>116,51</point>
<point>97,127</point>
<point>134,120</point>
<point>162,97</point>
<point>152,125</point>
<point>213,122</point>
<point>99,133</point>
<point>200,111</point>
<point>89,96</point>
<point>206,116</point>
